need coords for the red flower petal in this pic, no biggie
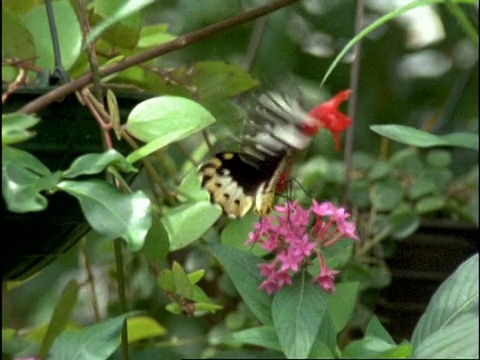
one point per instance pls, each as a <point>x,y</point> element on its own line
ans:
<point>327,115</point>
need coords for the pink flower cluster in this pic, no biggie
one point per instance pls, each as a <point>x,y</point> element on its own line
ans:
<point>289,235</point>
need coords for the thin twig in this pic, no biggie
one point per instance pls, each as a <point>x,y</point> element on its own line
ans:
<point>90,279</point>
<point>151,170</point>
<point>255,40</point>
<point>180,42</point>
<point>92,55</point>
<point>117,243</point>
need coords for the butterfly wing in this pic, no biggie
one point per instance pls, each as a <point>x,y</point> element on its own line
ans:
<point>239,181</point>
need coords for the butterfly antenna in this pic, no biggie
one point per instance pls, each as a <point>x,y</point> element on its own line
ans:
<point>301,187</point>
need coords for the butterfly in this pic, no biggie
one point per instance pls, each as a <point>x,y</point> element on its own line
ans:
<point>238,181</point>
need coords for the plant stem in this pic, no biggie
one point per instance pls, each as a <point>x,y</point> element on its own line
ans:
<point>462,19</point>
<point>92,55</point>
<point>121,293</point>
<point>90,278</point>
<point>180,42</point>
<point>255,40</point>
<point>352,103</point>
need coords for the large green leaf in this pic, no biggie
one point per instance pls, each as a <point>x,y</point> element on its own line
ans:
<point>15,127</point>
<point>143,327</point>
<point>456,340</point>
<point>187,222</point>
<point>242,268</point>
<point>217,79</point>
<point>60,317</point>
<point>236,232</point>
<point>190,189</point>
<point>163,120</point>
<point>297,312</point>
<point>264,336</point>
<point>95,342</point>
<point>112,213</point>
<point>89,164</point>
<point>411,136</point>
<point>154,35</point>
<point>17,42</point>
<point>123,31</point>
<point>376,329</point>
<point>156,242</point>
<point>341,304</point>
<point>453,307</point>
<point>126,13</point>
<point>371,347</point>
<point>68,30</point>
<point>23,178</point>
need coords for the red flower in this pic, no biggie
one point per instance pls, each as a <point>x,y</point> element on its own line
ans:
<point>327,115</point>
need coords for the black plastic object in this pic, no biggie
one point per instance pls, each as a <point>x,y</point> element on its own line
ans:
<point>66,130</point>
<point>419,266</point>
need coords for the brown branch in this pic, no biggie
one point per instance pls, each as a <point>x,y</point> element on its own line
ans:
<point>173,45</point>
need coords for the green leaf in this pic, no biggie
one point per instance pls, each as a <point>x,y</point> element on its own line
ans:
<point>143,327</point>
<point>115,14</point>
<point>430,204</point>
<point>182,284</point>
<point>95,342</point>
<point>458,295</point>
<point>423,186</point>
<point>122,32</point>
<point>15,127</point>
<point>321,351</point>
<point>154,35</point>
<point>411,136</point>
<point>380,171</point>
<point>439,158</point>
<point>298,312</point>
<point>403,222</point>
<point>456,340</point>
<point>17,42</point>
<point>190,190</point>
<point>264,336</point>
<point>61,316</point>
<point>236,232</point>
<point>376,329</point>
<point>89,164</point>
<point>196,276</point>
<point>23,178</point>
<point>211,308</point>
<point>112,213</point>
<point>163,120</point>
<point>156,242</point>
<point>242,269</point>
<point>155,117</point>
<point>217,79</point>
<point>387,196</point>
<point>326,342</point>
<point>187,222</point>
<point>68,30</point>
<point>338,255</point>
<point>341,303</point>
<point>371,348</point>
<point>14,345</point>
<point>370,28</point>
<point>165,280</point>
